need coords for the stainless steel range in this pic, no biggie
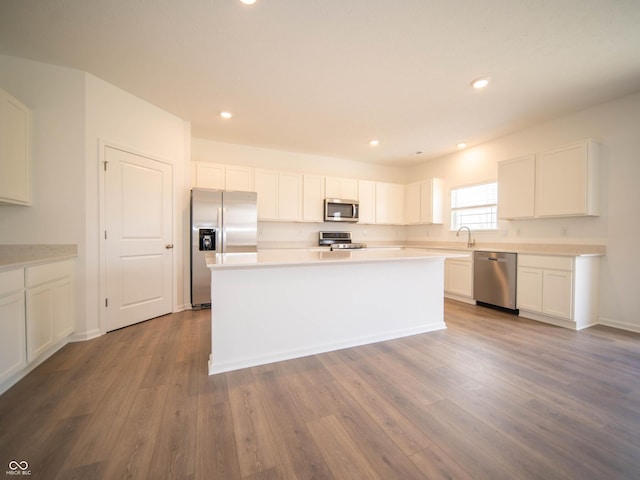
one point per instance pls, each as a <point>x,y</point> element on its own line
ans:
<point>339,241</point>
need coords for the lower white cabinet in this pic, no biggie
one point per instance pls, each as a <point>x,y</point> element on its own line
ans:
<point>13,355</point>
<point>50,312</point>
<point>558,290</point>
<point>458,278</point>
<point>37,315</point>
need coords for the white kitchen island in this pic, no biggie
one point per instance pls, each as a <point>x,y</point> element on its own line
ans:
<point>280,304</point>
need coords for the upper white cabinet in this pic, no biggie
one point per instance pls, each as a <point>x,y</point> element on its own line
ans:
<point>367,200</point>
<point>516,188</point>
<point>224,177</point>
<point>389,203</point>
<point>423,202</point>
<point>279,195</point>
<point>313,198</point>
<point>562,182</point>
<point>345,188</point>
<point>15,151</point>
<point>567,181</point>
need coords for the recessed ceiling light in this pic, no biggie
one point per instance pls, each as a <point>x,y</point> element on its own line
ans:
<point>248,2</point>
<point>226,114</point>
<point>374,143</point>
<point>461,145</point>
<point>480,82</point>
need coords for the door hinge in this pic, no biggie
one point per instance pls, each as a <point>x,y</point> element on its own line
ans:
<point>106,302</point>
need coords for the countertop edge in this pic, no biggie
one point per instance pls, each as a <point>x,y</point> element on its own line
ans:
<point>14,257</point>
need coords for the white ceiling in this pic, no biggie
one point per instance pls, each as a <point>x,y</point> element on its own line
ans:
<point>327,76</point>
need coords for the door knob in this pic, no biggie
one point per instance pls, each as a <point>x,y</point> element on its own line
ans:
<point>168,245</point>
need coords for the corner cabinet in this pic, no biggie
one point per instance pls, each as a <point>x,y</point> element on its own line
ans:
<point>559,290</point>
<point>15,151</point>
<point>37,316</point>
<point>389,203</point>
<point>13,352</point>
<point>367,200</point>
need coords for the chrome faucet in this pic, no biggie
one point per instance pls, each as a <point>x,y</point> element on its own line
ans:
<point>470,243</point>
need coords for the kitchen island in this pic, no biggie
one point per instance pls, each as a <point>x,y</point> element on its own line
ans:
<point>280,304</point>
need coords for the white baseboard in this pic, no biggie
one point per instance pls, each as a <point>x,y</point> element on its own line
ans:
<point>618,324</point>
<point>82,336</point>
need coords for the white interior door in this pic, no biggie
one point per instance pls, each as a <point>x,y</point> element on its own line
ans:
<point>138,238</point>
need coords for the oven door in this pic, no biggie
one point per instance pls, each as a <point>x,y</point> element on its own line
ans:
<point>336,210</point>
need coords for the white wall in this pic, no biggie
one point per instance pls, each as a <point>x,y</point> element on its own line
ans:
<point>615,126</point>
<point>55,96</point>
<point>119,118</point>
<point>71,111</point>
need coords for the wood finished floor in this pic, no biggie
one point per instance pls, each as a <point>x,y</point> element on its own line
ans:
<point>492,397</point>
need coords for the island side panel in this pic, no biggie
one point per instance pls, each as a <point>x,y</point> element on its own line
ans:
<point>266,314</point>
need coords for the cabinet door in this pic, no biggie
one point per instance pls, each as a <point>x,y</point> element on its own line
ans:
<point>413,203</point>
<point>389,203</point>
<point>238,179</point>
<point>349,189</point>
<point>313,198</point>
<point>516,188</point>
<point>210,176</point>
<point>15,151</point>
<point>459,278</point>
<point>332,187</point>
<point>367,199</point>
<point>557,297</point>
<point>13,354</point>
<point>529,296</point>
<point>39,320</point>
<point>64,321</point>
<point>562,181</point>
<point>290,196</point>
<point>267,189</point>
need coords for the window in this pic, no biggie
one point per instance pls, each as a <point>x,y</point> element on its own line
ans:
<point>475,207</point>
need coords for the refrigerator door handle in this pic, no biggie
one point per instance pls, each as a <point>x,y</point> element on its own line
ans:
<point>223,238</point>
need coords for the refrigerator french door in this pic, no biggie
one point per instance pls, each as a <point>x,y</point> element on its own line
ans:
<point>221,222</point>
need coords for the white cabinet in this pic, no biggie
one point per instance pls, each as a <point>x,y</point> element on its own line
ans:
<point>558,290</point>
<point>224,177</point>
<point>289,196</point>
<point>15,151</point>
<point>516,188</point>
<point>343,188</point>
<point>13,353</point>
<point>367,200</point>
<point>313,198</point>
<point>389,203</point>
<point>49,306</point>
<point>279,195</point>
<point>423,202</point>
<point>458,278</point>
<point>562,182</point>
<point>567,181</point>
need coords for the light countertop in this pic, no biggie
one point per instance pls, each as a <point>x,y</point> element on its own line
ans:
<point>20,256</point>
<point>289,257</point>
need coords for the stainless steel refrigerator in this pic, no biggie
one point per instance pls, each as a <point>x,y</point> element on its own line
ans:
<point>221,222</point>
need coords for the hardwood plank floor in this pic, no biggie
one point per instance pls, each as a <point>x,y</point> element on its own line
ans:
<point>491,397</point>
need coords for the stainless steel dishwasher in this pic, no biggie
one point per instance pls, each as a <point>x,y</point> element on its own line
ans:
<point>494,278</point>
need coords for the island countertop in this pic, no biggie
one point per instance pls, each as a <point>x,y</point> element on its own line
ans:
<point>286,257</point>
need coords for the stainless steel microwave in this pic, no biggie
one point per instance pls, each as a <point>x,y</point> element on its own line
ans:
<point>338,210</point>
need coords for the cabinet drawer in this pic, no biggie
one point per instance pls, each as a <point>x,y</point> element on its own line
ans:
<point>540,261</point>
<point>11,281</point>
<point>48,272</point>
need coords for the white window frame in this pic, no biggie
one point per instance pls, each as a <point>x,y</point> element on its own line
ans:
<point>490,209</point>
